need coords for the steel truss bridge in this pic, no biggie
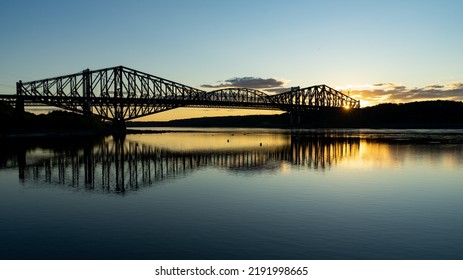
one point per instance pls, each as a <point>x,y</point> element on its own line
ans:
<point>120,93</point>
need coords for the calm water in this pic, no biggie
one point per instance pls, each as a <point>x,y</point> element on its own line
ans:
<point>235,194</point>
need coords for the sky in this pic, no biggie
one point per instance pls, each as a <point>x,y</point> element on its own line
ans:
<point>375,51</point>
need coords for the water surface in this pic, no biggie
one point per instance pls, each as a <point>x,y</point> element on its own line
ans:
<point>235,194</point>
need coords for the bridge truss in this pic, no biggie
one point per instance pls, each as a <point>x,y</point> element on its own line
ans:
<point>120,94</point>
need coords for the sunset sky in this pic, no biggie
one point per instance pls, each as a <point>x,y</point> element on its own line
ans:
<point>376,51</point>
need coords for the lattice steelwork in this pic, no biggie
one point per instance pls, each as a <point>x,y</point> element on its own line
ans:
<point>117,93</point>
<point>121,93</point>
<point>314,97</point>
<point>235,98</point>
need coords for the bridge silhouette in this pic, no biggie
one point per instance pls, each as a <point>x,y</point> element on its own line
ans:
<point>119,166</point>
<point>119,94</point>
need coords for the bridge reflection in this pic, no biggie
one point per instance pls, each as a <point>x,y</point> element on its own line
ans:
<point>118,165</point>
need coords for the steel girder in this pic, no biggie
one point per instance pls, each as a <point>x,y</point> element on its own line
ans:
<point>121,93</point>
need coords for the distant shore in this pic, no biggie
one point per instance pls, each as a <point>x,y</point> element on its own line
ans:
<point>415,115</point>
<point>426,114</point>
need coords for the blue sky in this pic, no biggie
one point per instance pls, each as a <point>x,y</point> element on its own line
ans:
<point>378,51</point>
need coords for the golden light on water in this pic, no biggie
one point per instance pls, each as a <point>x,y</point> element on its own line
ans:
<point>212,141</point>
<point>186,113</point>
<point>375,155</point>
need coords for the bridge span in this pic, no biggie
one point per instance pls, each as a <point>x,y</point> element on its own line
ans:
<point>120,93</point>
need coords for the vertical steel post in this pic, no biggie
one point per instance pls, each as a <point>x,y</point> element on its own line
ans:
<point>118,120</point>
<point>86,92</point>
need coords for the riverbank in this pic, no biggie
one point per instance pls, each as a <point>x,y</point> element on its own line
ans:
<point>415,115</point>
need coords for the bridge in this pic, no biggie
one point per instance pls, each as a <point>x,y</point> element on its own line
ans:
<point>119,94</point>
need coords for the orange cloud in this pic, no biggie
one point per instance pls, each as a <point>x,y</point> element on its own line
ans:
<point>396,93</point>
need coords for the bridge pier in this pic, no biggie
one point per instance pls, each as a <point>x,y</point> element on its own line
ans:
<point>19,100</point>
<point>118,125</point>
<point>295,118</point>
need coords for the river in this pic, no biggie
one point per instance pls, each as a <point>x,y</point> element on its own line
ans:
<point>234,194</point>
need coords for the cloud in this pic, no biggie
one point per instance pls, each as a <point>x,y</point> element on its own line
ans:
<point>434,87</point>
<point>249,82</point>
<point>383,85</point>
<point>278,90</point>
<point>395,93</point>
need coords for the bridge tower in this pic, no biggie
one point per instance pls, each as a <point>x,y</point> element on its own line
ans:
<point>86,92</point>
<point>118,120</point>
